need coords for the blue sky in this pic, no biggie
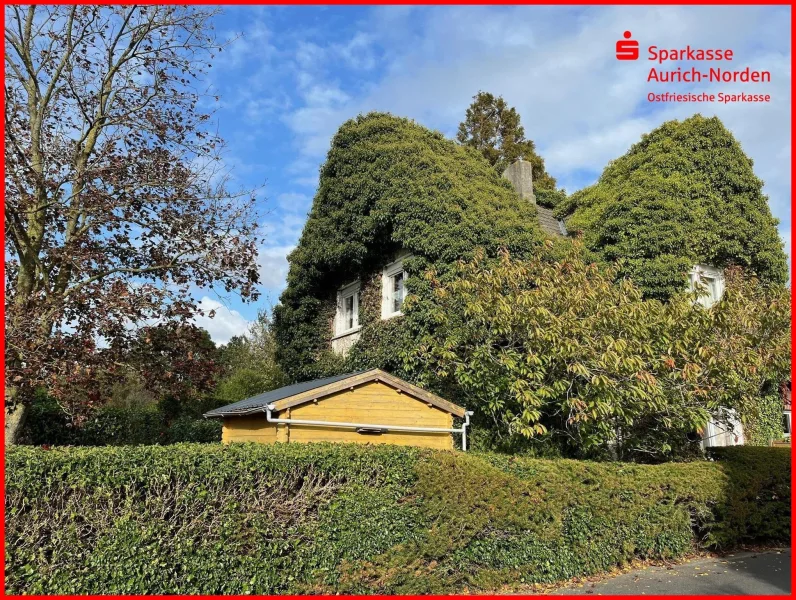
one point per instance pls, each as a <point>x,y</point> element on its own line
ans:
<point>292,75</point>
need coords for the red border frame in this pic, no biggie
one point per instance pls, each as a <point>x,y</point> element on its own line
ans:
<point>418,3</point>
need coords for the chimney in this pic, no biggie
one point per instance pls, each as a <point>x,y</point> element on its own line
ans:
<point>521,178</point>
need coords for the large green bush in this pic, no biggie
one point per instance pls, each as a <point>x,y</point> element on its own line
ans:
<point>562,352</point>
<point>294,518</point>
<point>389,184</point>
<point>685,194</point>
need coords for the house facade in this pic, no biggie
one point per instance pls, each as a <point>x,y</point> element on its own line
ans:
<point>391,277</point>
<point>397,201</point>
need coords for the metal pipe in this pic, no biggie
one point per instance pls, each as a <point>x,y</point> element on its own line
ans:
<point>463,430</point>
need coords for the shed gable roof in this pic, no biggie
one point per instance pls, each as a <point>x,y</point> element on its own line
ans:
<point>300,393</point>
<point>260,401</point>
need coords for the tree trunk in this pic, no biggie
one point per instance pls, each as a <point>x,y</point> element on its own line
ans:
<point>15,419</point>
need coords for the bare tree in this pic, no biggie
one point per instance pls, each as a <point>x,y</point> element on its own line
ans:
<point>116,201</point>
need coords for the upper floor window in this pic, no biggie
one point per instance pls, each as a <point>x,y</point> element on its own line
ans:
<point>393,286</point>
<point>711,280</point>
<point>347,318</point>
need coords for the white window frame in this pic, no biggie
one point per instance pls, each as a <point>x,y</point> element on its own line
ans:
<point>698,275</point>
<point>725,426</point>
<point>340,325</point>
<point>786,414</point>
<point>387,275</point>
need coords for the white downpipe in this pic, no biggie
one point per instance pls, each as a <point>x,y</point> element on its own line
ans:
<point>463,430</point>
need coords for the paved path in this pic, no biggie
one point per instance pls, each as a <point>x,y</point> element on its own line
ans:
<point>740,573</point>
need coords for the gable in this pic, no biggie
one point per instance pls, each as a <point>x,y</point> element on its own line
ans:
<point>356,381</point>
<point>374,402</point>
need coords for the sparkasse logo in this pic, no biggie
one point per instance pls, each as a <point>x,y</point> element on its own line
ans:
<point>667,70</point>
<point>627,49</point>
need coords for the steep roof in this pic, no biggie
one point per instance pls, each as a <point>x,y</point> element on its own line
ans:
<point>300,393</point>
<point>549,223</point>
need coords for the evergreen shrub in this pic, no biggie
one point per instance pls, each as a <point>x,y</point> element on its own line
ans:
<point>322,518</point>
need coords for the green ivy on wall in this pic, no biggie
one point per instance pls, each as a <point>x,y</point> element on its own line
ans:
<point>685,194</point>
<point>388,185</point>
<point>765,424</point>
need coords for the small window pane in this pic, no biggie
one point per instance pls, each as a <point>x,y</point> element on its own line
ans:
<point>785,423</point>
<point>349,312</point>
<point>712,288</point>
<point>397,292</point>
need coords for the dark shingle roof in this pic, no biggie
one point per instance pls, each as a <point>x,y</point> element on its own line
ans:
<point>549,223</point>
<point>255,403</point>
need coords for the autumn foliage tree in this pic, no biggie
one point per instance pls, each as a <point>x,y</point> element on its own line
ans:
<point>174,359</point>
<point>116,204</point>
<point>563,352</point>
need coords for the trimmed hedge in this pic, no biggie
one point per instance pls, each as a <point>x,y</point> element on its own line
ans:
<point>296,518</point>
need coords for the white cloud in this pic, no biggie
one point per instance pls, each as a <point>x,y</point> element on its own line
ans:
<point>358,51</point>
<point>294,201</point>
<point>556,65</point>
<point>273,267</point>
<point>225,324</point>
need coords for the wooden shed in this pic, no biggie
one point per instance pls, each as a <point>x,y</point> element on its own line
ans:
<point>369,407</point>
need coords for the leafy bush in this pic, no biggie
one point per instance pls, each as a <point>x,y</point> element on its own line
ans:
<point>112,425</point>
<point>766,425</point>
<point>192,429</point>
<point>242,384</point>
<point>295,518</point>
<point>561,350</point>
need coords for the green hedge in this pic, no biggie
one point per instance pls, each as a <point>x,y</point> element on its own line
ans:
<point>116,426</point>
<point>294,518</point>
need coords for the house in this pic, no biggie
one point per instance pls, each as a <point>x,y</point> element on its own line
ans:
<point>368,407</point>
<point>392,277</point>
<point>395,201</point>
<point>398,203</point>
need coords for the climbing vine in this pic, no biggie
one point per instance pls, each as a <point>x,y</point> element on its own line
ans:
<point>685,194</point>
<point>390,185</point>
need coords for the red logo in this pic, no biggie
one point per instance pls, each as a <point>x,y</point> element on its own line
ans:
<point>627,49</point>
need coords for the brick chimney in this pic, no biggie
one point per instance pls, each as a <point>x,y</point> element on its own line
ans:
<point>521,178</point>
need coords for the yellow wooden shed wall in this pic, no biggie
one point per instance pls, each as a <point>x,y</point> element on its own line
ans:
<point>373,402</point>
<point>253,428</point>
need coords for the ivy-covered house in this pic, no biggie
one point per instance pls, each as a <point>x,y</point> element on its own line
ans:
<point>396,201</point>
<point>682,202</point>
